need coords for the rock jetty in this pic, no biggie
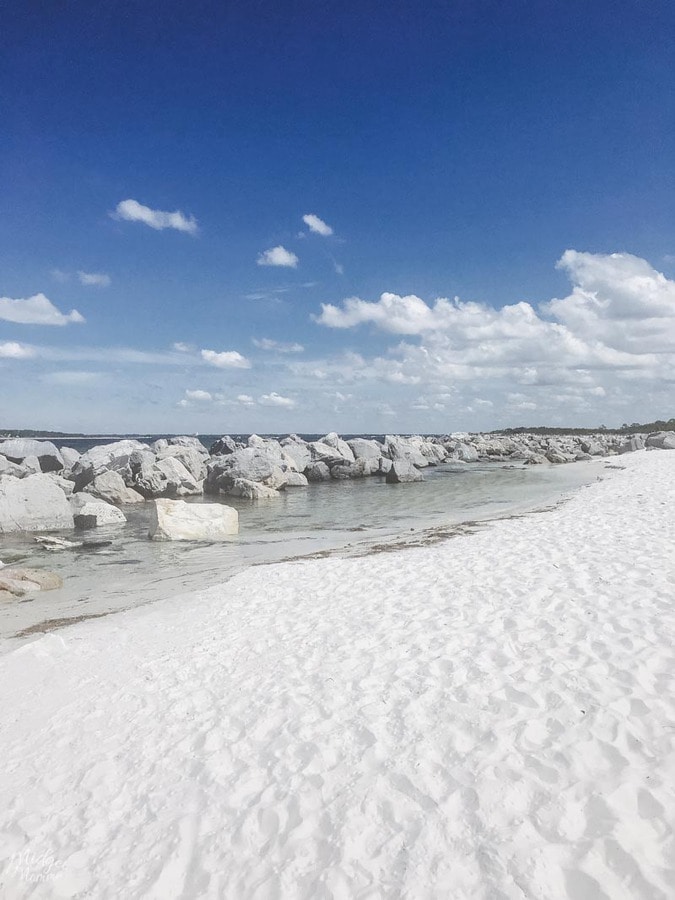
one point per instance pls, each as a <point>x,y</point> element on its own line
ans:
<point>43,488</point>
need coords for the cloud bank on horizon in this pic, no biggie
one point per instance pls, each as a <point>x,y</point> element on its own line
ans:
<point>613,332</point>
<point>595,352</point>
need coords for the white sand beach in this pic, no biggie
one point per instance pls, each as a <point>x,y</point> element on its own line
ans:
<point>489,717</point>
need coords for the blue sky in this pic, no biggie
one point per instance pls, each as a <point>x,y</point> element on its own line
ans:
<point>453,150</point>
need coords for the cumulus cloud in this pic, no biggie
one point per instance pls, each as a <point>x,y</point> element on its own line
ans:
<point>94,279</point>
<point>317,225</point>
<point>14,350</point>
<point>618,299</point>
<point>227,359</point>
<point>182,347</point>
<point>245,400</point>
<point>200,396</point>
<point>35,310</point>
<point>568,356</point>
<point>133,211</point>
<point>278,256</point>
<point>277,346</point>
<point>275,399</point>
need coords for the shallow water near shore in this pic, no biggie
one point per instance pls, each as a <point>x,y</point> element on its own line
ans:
<point>348,517</point>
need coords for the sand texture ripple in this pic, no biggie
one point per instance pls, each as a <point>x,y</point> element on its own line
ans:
<point>489,717</point>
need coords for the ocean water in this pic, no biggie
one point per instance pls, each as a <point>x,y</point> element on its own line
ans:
<point>360,516</point>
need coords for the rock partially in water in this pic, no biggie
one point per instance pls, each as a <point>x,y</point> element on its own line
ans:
<point>403,472</point>
<point>296,479</point>
<point>256,464</point>
<point>252,490</point>
<point>317,471</point>
<point>34,503</point>
<point>176,520</point>
<point>89,513</point>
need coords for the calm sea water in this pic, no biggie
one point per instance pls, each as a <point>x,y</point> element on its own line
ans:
<point>344,516</point>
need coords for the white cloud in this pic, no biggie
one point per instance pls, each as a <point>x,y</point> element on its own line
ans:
<point>14,350</point>
<point>94,279</point>
<point>270,295</point>
<point>36,310</point>
<point>245,400</point>
<point>278,256</point>
<point>227,359</point>
<point>278,346</point>
<point>339,268</point>
<point>275,399</point>
<point>60,276</point>
<point>200,396</point>
<point>181,347</point>
<point>570,357</point>
<point>317,225</point>
<point>70,377</point>
<point>114,355</point>
<point>618,299</point>
<point>133,211</point>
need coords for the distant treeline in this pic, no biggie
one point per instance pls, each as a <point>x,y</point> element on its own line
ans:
<point>633,428</point>
<point>33,433</point>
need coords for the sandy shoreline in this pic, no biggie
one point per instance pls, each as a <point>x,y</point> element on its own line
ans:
<point>489,717</point>
<point>322,520</point>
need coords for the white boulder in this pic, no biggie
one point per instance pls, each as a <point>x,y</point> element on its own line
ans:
<point>663,440</point>
<point>365,449</point>
<point>252,490</point>
<point>18,449</point>
<point>90,513</point>
<point>297,451</point>
<point>317,471</point>
<point>633,444</point>
<point>114,457</point>
<point>296,479</point>
<point>192,459</point>
<point>406,449</point>
<point>70,456</point>
<point>260,464</point>
<point>33,503</point>
<point>343,448</point>
<point>10,468</point>
<point>110,487</point>
<point>403,472</point>
<point>176,520</point>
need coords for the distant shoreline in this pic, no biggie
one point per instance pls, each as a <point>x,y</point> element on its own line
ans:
<point>633,428</point>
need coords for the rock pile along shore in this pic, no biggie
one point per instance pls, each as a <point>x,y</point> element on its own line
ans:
<point>43,488</point>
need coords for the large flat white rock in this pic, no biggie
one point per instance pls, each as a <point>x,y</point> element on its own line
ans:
<point>176,520</point>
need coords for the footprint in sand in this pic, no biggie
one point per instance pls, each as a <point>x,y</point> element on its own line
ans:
<point>580,886</point>
<point>520,697</point>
